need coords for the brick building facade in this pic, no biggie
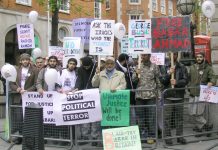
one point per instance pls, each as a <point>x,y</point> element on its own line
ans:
<point>13,12</point>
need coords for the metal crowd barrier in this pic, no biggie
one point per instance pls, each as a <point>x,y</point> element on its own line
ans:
<point>162,114</point>
<point>177,121</point>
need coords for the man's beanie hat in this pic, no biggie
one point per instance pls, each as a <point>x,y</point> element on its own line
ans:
<point>24,56</point>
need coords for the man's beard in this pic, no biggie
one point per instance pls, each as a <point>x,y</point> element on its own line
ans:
<point>200,61</point>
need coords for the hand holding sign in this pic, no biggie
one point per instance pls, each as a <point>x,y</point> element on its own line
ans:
<point>9,72</point>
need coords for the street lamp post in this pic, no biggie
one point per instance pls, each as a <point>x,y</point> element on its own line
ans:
<point>187,7</point>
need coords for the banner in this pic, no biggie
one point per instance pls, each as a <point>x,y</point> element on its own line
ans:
<point>101,37</point>
<point>140,36</point>
<point>56,51</point>
<point>73,48</point>
<point>115,108</point>
<point>209,94</point>
<point>158,58</point>
<point>78,108</point>
<point>25,33</point>
<point>125,138</point>
<point>171,34</point>
<point>45,101</point>
<point>81,28</point>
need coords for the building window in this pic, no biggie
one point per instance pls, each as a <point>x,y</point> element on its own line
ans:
<point>154,5</point>
<point>134,1</point>
<point>170,7</point>
<point>97,9</point>
<point>134,17</point>
<point>107,4</point>
<point>65,6</point>
<point>163,6</point>
<point>62,32</point>
<point>24,2</point>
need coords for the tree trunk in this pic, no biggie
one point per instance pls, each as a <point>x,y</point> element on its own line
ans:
<point>54,31</point>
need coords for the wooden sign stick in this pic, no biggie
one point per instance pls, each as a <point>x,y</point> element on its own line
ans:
<point>172,65</point>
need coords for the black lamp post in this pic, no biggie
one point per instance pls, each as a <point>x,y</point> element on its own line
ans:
<point>187,7</point>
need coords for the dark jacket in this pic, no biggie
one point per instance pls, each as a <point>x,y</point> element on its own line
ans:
<point>181,77</point>
<point>200,75</point>
<point>84,79</point>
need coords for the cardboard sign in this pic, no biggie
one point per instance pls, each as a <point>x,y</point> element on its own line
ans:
<point>208,94</point>
<point>56,51</point>
<point>73,48</point>
<point>171,34</point>
<point>101,37</point>
<point>158,58</point>
<point>81,28</point>
<point>125,138</point>
<point>45,101</point>
<point>25,35</point>
<point>140,36</point>
<point>78,108</point>
<point>115,108</point>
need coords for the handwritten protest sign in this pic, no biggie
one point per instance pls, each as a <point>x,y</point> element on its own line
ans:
<point>115,108</point>
<point>101,37</point>
<point>124,45</point>
<point>78,108</point>
<point>81,28</point>
<point>125,138</point>
<point>25,35</point>
<point>56,51</point>
<point>171,34</point>
<point>140,36</point>
<point>45,101</point>
<point>209,94</point>
<point>72,47</point>
<point>158,58</point>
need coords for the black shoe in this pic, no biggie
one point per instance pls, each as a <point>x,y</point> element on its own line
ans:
<point>17,141</point>
<point>169,142</point>
<point>94,143</point>
<point>181,141</point>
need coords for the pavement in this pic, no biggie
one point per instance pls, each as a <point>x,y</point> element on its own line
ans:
<point>201,145</point>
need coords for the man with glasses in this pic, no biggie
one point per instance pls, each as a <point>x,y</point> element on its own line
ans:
<point>201,73</point>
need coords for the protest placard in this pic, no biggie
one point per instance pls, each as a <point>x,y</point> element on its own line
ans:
<point>25,35</point>
<point>56,51</point>
<point>140,36</point>
<point>124,44</point>
<point>125,138</point>
<point>72,47</point>
<point>158,58</point>
<point>208,94</point>
<point>78,108</point>
<point>81,28</point>
<point>45,101</point>
<point>115,108</point>
<point>101,37</point>
<point>171,34</point>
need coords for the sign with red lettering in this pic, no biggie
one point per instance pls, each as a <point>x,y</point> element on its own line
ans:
<point>209,94</point>
<point>171,34</point>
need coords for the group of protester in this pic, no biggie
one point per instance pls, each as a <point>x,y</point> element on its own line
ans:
<point>149,81</point>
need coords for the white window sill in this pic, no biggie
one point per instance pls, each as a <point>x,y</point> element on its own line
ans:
<point>25,4</point>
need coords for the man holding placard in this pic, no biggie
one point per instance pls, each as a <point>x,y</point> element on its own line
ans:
<point>201,73</point>
<point>174,113</point>
<point>147,78</point>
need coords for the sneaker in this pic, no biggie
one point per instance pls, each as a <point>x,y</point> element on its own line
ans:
<point>181,141</point>
<point>169,142</point>
<point>150,141</point>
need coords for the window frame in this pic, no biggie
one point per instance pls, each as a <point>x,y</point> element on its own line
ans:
<point>107,3</point>
<point>135,3</point>
<point>156,3</point>
<point>29,3</point>
<point>170,2</point>
<point>64,29</point>
<point>97,8</point>
<point>164,6</point>
<point>67,5</point>
<point>136,15</point>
